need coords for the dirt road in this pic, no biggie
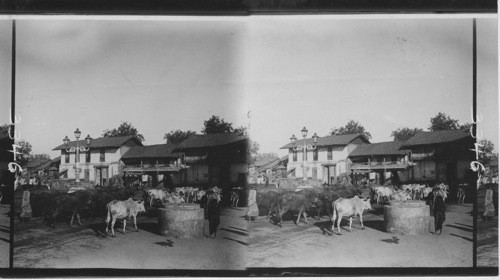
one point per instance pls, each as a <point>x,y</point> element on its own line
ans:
<point>313,245</point>
<point>38,246</point>
<point>487,233</point>
<point>4,235</point>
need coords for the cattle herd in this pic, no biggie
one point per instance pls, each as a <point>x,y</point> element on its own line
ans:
<point>343,200</point>
<point>120,203</point>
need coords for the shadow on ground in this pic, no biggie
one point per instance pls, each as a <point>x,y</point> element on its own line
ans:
<point>149,227</point>
<point>464,238</point>
<point>376,225</point>
<point>461,228</point>
<point>237,231</point>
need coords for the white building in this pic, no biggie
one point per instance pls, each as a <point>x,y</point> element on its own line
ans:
<point>100,163</point>
<point>328,161</point>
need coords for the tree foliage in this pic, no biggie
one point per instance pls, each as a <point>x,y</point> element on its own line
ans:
<point>405,133</point>
<point>23,152</point>
<point>444,122</point>
<point>267,155</point>
<point>240,130</point>
<point>253,151</point>
<point>39,156</point>
<point>486,148</point>
<point>125,129</point>
<point>352,127</point>
<point>4,127</point>
<point>215,124</point>
<point>177,136</point>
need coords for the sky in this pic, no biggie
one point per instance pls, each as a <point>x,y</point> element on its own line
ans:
<point>383,73</point>
<point>92,75</point>
<point>274,74</point>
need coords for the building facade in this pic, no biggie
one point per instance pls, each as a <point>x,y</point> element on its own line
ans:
<point>216,159</point>
<point>101,163</point>
<point>441,156</point>
<point>380,162</point>
<point>328,161</point>
<point>155,165</point>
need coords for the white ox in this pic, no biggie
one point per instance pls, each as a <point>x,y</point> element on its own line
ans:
<point>383,191</point>
<point>344,207</point>
<point>123,210</point>
<point>401,195</point>
<point>155,194</point>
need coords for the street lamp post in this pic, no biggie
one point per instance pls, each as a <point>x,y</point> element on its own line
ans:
<point>304,148</point>
<point>77,150</point>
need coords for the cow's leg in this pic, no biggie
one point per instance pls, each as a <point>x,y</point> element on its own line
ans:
<point>361,220</point>
<point>280,214</point>
<point>78,219</point>
<point>298,217</point>
<point>113,221</point>
<point>72,217</point>
<point>350,224</point>
<point>124,225</point>
<point>334,216</point>
<point>338,223</point>
<point>135,223</point>
<point>108,219</point>
<point>305,216</point>
<point>378,196</point>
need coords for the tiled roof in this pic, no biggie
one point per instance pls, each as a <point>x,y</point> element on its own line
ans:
<point>330,140</point>
<point>383,148</point>
<point>211,140</point>
<point>103,142</point>
<point>264,161</point>
<point>44,165</point>
<point>37,162</point>
<point>56,159</point>
<point>152,151</point>
<point>437,137</point>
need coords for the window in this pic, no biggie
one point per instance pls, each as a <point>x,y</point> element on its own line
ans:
<point>66,157</point>
<point>102,155</point>
<point>294,155</point>
<point>304,155</point>
<point>87,156</point>
<point>329,154</point>
<point>76,158</point>
<point>315,154</point>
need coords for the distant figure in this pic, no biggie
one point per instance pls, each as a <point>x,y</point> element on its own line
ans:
<point>489,207</point>
<point>439,214</point>
<point>32,180</point>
